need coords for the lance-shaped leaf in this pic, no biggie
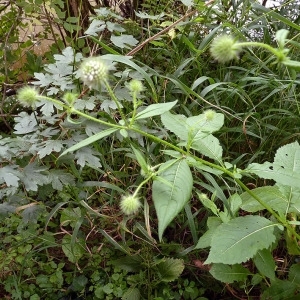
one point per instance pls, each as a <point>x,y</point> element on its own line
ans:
<point>240,239</point>
<point>169,199</point>
<point>155,110</point>
<point>90,140</point>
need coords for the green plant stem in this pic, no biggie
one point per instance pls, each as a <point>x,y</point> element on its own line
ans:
<point>280,55</point>
<point>182,151</point>
<point>111,93</point>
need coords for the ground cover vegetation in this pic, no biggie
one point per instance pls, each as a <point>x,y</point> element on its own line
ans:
<point>151,151</point>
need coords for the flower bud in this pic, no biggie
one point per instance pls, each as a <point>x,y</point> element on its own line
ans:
<point>224,48</point>
<point>27,96</point>
<point>135,86</point>
<point>70,98</point>
<point>209,114</point>
<point>130,204</point>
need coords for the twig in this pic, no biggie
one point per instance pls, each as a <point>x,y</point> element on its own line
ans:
<point>150,39</point>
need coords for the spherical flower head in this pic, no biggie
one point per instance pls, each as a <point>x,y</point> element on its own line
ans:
<point>224,48</point>
<point>94,71</point>
<point>135,86</point>
<point>130,204</point>
<point>209,114</point>
<point>27,96</point>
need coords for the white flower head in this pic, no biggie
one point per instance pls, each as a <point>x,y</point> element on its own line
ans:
<point>94,71</point>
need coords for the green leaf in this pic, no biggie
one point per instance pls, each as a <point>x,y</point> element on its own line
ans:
<point>279,290</point>
<point>155,110</point>
<point>265,263</point>
<point>170,269</point>
<point>70,216</point>
<point>132,294</point>
<point>229,274</point>
<point>32,213</point>
<point>124,40</point>
<point>141,160</point>
<point>34,175</point>
<point>129,263</point>
<point>205,239</point>
<point>240,239</point>
<point>281,36</point>
<point>169,199</point>
<point>90,140</point>
<point>285,169</point>
<point>73,252</point>
<point>209,146</point>
<point>10,175</point>
<point>294,274</point>
<point>176,124</point>
<point>60,178</point>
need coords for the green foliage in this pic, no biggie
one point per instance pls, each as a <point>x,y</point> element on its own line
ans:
<point>208,150</point>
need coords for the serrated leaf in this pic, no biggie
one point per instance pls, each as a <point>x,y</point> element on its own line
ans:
<point>170,269</point>
<point>32,213</point>
<point>10,176</point>
<point>285,169</point>
<point>129,263</point>
<point>60,178</point>
<point>73,252</point>
<point>176,124</point>
<point>50,146</point>
<point>33,176</point>
<point>95,27</point>
<point>201,124</point>
<point>209,146</point>
<point>265,263</point>
<point>240,239</point>
<point>279,290</point>
<point>132,294</point>
<point>169,199</point>
<point>90,140</point>
<point>70,216</point>
<point>229,274</point>
<point>294,274</point>
<point>86,156</point>
<point>205,239</point>
<point>25,123</point>
<point>124,40</point>
<point>5,209</point>
<point>155,110</point>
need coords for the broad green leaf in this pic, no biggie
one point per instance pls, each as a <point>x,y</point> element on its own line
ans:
<point>60,178</point>
<point>240,239</point>
<point>176,124</point>
<point>285,169</point>
<point>87,156</point>
<point>73,252</point>
<point>209,146</point>
<point>31,213</point>
<point>169,199</point>
<point>90,140</point>
<point>170,269</point>
<point>279,290</point>
<point>129,263</point>
<point>202,124</point>
<point>229,274</point>
<point>265,263</point>
<point>270,195</point>
<point>10,175</point>
<point>155,110</point>
<point>205,239</point>
<point>34,175</point>
<point>294,274</point>
<point>70,216</point>
<point>124,41</point>
<point>132,294</point>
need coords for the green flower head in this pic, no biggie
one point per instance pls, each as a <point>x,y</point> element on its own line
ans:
<point>209,114</point>
<point>28,96</point>
<point>224,48</point>
<point>135,86</point>
<point>94,71</point>
<point>130,204</point>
